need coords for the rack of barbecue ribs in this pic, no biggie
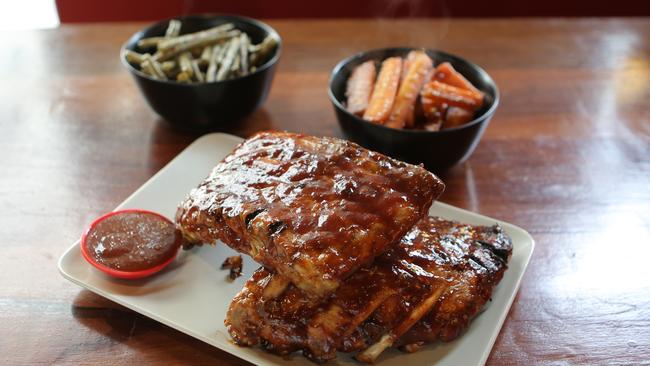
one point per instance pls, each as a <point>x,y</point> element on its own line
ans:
<point>426,288</point>
<point>314,210</point>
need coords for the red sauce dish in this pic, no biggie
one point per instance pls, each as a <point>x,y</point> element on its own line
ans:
<point>131,244</point>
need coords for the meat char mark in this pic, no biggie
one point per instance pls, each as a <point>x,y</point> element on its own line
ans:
<point>234,264</point>
<point>427,288</point>
<point>312,209</point>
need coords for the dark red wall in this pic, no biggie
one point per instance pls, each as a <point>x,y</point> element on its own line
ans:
<point>129,10</point>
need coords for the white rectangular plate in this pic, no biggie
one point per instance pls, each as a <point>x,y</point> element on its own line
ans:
<point>193,294</point>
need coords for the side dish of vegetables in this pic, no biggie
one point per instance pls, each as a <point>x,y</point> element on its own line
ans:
<point>219,53</point>
<point>410,93</point>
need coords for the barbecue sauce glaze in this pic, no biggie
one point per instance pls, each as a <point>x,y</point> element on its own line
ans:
<point>133,241</point>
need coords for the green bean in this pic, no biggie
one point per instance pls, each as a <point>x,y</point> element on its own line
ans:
<point>185,64</point>
<point>243,53</point>
<point>173,29</point>
<point>211,74</point>
<point>214,54</point>
<point>228,60</point>
<point>149,42</point>
<point>192,37</point>
<point>236,65</point>
<point>206,53</point>
<point>198,75</point>
<point>152,68</point>
<point>179,47</point>
<point>168,66</point>
<point>262,50</point>
<point>134,57</point>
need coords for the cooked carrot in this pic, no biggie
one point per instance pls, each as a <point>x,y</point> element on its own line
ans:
<point>439,96</point>
<point>456,116</point>
<point>402,113</point>
<point>418,112</point>
<point>445,73</point>
<point>432,112</point>
<point>359,87</point>
<point>383,96</point>
<point>406,62</point>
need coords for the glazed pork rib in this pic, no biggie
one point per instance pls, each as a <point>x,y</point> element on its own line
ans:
<point>426,288</point>
<point>312,209</point>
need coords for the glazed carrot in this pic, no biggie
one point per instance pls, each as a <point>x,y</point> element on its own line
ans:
<point>402,114</point>
<point>418,112</point>
<point>437,95</point>
<point>406,64</point>
<point>359,87</point>
<point>445,73</point>
<point>456,116</point>
<point>432,113</point>
<point>383,96</point>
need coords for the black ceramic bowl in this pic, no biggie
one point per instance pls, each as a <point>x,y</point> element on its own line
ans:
<point>209,104</point>
<point>437,150</point>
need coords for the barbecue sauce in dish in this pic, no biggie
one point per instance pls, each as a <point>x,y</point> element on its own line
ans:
<point>133,241</point>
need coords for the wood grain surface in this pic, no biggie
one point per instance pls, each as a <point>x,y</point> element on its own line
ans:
<point>567,157</point>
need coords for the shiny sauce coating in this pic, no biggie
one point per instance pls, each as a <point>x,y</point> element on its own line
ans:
<point>313,209</point>
<point>465,261</point>
<point>133,241</point>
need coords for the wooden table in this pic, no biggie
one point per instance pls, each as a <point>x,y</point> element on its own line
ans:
<point>567,156</point>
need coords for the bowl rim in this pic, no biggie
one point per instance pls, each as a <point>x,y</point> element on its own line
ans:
<point>258,23</point>
<point>129,275</point>
<point>337,69</point>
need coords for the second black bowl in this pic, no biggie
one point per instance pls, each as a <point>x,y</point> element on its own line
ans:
<point>438,150</point>
<point>208,104</point>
